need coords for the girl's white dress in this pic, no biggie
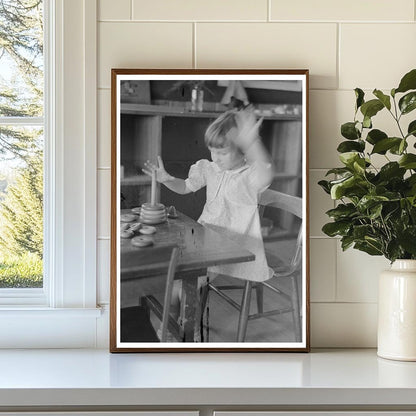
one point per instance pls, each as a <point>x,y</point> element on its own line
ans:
<point>231,209</point>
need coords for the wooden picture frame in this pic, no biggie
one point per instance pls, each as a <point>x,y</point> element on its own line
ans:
<point>160,301</point>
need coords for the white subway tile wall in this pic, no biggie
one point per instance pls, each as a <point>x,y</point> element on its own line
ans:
<point>367,50</point>
<point>142,45</point>
<point>270,45</point>
<point>200,10</point>
<point>104,202</point>
<point>338,325</point>
<point>114,10</point>
<point>319,203</point>
<point>344,44</point>
<point>357,275</point>
<point>103,269</point>
<point>104,128</point>
<point>355,10</point>
<point>323,269</point>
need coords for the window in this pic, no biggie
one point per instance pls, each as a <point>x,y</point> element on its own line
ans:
<point>63,313</point>
<point>22,132</point>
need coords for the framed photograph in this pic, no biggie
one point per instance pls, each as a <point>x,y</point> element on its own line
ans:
<point>209,211</point>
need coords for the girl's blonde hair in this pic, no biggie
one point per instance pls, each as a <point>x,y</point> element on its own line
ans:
<point>216,133</point>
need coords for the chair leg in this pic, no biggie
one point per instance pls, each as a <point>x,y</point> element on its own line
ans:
<point>296,309</point>
<point>204,299</point>
<point>168,293</point>
<point>259,297</point>
<point>245,309</point>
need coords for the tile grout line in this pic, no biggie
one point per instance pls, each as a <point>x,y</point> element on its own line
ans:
<point>336,271</point>
<point>307,22</point>
<point>269,11</point>
<point>131,10</point>
<point>194,63</point>
<point>338,63</point>
<point>352,302</point>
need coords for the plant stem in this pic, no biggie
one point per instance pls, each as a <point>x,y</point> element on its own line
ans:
<point>397,118</point>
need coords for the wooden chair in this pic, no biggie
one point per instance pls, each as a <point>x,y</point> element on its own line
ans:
<point>149,302</point>
<point>282,270</point>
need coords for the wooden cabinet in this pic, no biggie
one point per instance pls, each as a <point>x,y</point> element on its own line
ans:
<point>177,136</point>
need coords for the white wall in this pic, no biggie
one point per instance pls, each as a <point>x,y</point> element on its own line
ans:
<point>345,44</point>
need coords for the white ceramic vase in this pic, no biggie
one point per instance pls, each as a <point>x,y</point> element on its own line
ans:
<point>397,312</point>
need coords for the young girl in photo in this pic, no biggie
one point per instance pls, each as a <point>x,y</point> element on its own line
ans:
<point>240,169</point>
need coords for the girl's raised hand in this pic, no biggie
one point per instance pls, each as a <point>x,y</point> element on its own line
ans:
<point>161,174</point>
<point>248,128</point>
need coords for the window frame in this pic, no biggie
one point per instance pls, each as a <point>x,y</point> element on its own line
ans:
<point>70,167</point>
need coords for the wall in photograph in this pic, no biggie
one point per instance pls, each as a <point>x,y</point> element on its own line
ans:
<point>345,44</point>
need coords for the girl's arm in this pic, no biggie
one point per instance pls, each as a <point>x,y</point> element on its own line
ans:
<point>249,141</point>
<point>177,185</point>
<point>174,184</point>
<point>256,154</point>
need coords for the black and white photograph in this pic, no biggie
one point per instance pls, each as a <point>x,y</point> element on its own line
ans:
<point>209,210</point>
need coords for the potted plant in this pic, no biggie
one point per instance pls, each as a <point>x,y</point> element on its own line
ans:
<point>376,206</point>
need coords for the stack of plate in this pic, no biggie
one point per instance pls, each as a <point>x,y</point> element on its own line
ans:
<point>152,214</point>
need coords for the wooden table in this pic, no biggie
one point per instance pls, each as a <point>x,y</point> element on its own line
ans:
<point>200,247</point>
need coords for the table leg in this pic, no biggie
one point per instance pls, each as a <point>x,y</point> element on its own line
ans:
<point>189,300</point>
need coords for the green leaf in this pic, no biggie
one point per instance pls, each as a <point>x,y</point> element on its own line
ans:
<point>338,189</point>
<point>407,239</point>
<point>375,135</point>
<point>411,182</point>
<point>408,82</point>
<point>325,186</point>
<point>408,102</point>
<point>338,171</point>
<point>350,146</point>
<point>371,108</point>
<point>391,170</point>
<point>369,201</point>
<point>375,211</point>
<point>333,229</point>
<point>359,165</point>
<point>359,95</point>
<point>383,145</point>
<point>361,231</point>
<point>400,148</point>
<point>385,99</point>
<point>346,242</point>
<point>408,161</point>
<point>411,130</point>
<point>367,122</point>
<point>349,131</point>
<point>393,250</point>
<point>368,248</point>
<point>348,158</point>
<point>342,211</point>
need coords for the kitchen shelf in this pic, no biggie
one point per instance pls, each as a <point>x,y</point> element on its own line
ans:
<point>182,111</point>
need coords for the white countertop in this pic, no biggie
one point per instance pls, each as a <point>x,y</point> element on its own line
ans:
<point>96,377</point>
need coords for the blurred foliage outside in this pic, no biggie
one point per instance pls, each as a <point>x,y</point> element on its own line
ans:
<point>21,146</point>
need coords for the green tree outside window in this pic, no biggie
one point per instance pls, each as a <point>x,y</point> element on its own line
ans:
<point>21,143</point>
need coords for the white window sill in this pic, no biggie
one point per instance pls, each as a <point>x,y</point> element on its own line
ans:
<point>39,311</point>
<point>40,327</point>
